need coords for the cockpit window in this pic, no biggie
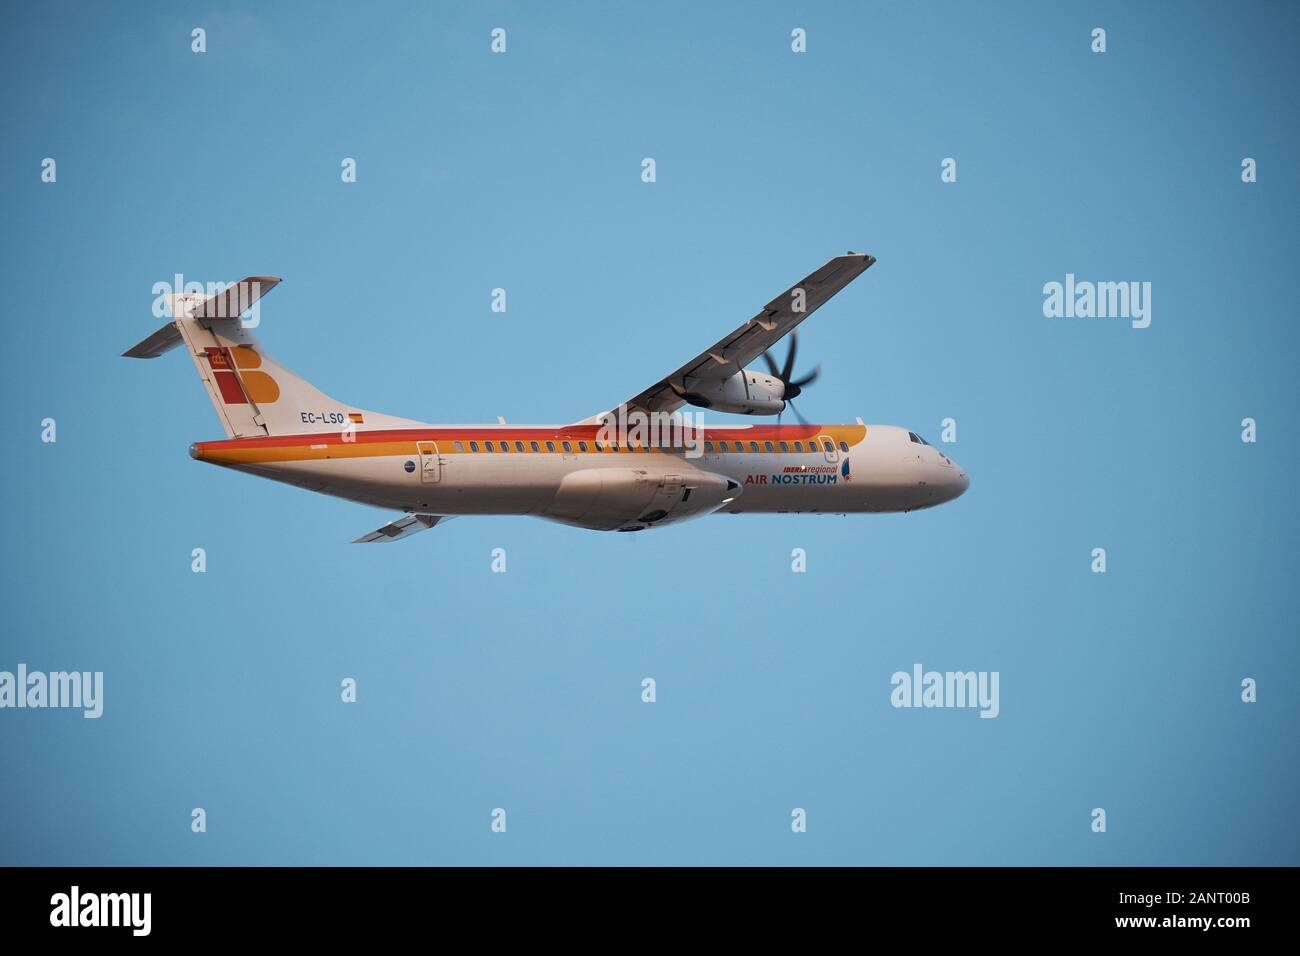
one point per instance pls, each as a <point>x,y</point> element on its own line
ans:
<point>917,438</point>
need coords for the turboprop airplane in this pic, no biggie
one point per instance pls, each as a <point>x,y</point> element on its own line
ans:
<point>643,464</point>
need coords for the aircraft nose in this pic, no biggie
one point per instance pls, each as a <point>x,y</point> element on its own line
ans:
<point>963,482</point>
<point>957,483</point>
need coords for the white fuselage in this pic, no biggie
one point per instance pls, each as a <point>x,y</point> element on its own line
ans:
<point>561,473</point>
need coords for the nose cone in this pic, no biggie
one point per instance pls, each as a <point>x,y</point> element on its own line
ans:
<point>953,483</point>
<point>960,481</point>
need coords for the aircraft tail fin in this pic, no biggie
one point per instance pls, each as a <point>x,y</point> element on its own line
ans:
<point>251,392</point>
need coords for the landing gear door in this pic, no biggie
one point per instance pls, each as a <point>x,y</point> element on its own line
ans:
<point>430,465</point>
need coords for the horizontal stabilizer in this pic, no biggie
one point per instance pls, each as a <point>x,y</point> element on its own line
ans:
<point>230,303</point>
<point>236,299</point>
<point>164,340</point>
<point>401,528</point>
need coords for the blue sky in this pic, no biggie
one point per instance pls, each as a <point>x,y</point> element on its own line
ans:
<point>522,690</point>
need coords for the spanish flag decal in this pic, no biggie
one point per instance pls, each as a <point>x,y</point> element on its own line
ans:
<point>356,418</point>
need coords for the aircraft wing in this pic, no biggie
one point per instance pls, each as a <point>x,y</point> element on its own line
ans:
<point>747,343</point>
<point>403,527</point>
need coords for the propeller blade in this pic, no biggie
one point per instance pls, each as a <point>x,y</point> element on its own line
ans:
<point>802,420</point>
<point>789,356</point>
<point>808,379</point>
<point>771,364</point>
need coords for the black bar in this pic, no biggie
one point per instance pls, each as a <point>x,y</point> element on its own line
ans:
<point>206,905</point>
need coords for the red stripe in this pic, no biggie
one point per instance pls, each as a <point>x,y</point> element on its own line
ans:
<point>574,433</point>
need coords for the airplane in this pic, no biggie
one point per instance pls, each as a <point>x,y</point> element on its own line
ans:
<point>644,464</point>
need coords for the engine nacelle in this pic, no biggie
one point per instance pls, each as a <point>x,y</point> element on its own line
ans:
<point>633,499</point>
<point>745,393</point>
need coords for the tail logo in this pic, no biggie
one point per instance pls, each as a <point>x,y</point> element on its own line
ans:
<point>236,372</point>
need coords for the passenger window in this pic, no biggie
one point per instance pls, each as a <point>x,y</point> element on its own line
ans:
<point>708,446</point>
<point>767,446</point>
<point>798,446</point>
<point>550,446</point>
<point>533,446</point>
<point>753,446</point>
<point>505,446</point>
<point>519,446</point>
<point>487,446</point>
<point>582,446</point>
<point>614,448</point>
<point>473,446</point>
<point>459,446</point>
<point>843,447</point>
<point>784,447</point>
<point>826,445</point>
<point>567,447</point>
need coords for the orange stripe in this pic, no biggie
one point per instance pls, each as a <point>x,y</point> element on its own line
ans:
<point>394,442</point>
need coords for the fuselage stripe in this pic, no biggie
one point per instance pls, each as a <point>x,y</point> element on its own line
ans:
<point>392,442</point>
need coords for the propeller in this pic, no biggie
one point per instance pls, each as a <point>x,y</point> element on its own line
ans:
<point>793,386</point>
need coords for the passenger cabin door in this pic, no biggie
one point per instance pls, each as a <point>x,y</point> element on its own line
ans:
<point>430,465</point>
